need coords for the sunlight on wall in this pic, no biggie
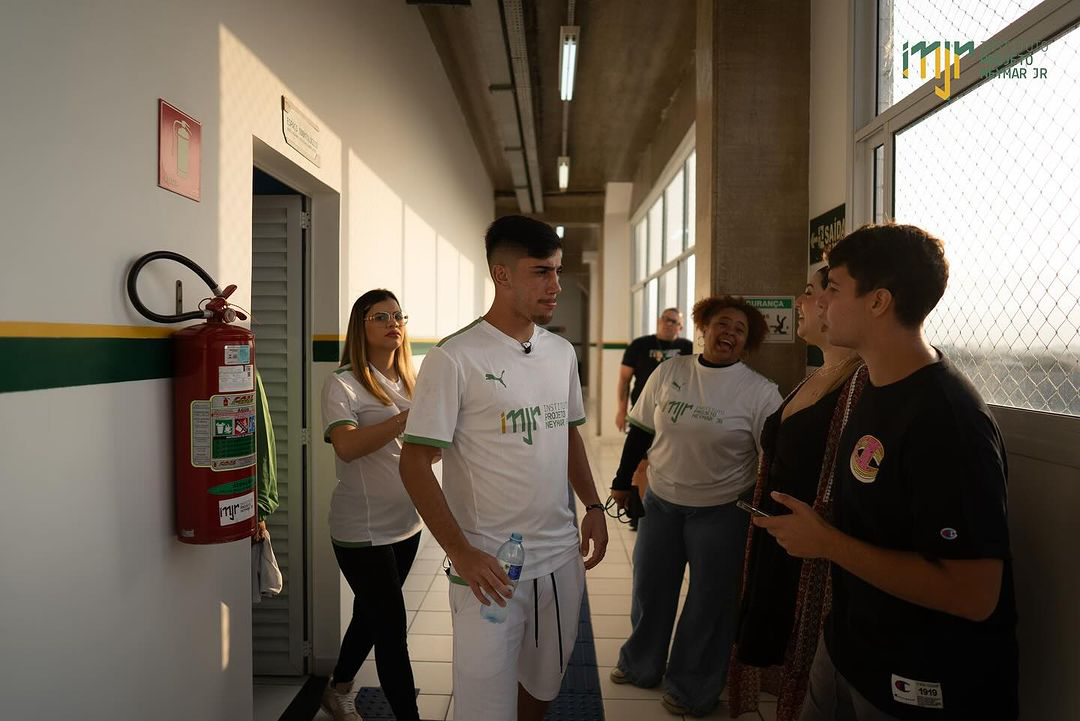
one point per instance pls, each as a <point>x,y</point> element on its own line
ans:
<point>225,636</point>
<point>420,277</point>
<point>376,232</point>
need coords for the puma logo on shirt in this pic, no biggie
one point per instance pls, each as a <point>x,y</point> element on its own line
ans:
<point>499,378</point>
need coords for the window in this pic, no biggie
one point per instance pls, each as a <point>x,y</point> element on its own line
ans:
<point>656,236</point>
<point>674,228</point>
<point>993,173</point>
<point>662,266</point>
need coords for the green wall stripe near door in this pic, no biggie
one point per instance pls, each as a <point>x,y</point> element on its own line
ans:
<point>329,351</point>
<point>28,364</point>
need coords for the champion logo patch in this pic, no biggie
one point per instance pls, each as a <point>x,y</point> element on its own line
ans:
<point>949,534</point>
<point>866,459</point>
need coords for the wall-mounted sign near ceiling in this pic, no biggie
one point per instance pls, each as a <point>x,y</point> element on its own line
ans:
<point>779,312</point>
<point>300,132</point>
<point>825,230</point>
<point>179,151</point>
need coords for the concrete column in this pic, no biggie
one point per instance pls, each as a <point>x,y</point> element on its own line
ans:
<point>753,128</point>
<point>615,295</point>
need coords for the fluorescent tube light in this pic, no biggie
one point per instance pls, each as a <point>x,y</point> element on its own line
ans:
<point>560,231</point>
<point>564,171</point>
<point>568,42</point>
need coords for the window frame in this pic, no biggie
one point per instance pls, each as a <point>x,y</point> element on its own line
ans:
<point>657,194</point>
<point>1029,430</point>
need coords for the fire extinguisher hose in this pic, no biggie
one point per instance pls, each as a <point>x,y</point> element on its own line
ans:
<point>133,292</point>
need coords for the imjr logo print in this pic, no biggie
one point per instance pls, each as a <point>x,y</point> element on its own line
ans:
<point>532,419</point>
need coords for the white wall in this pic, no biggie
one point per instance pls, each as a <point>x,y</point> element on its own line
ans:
<point>830,131</point>
<point>97,589</point>
<point>615,326</point>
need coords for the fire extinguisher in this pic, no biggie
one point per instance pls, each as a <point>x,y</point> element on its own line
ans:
<point>213,413</point>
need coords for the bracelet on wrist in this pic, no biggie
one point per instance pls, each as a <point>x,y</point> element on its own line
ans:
<point>594,507</point>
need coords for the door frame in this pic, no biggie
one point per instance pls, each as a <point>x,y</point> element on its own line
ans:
<point>321,256</point>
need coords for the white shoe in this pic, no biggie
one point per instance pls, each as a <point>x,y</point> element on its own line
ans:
<point>342,706</point>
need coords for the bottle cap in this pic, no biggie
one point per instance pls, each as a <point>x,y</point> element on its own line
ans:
<point>515,537</point>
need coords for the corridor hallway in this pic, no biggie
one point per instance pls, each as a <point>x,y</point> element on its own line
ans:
<point>608,586</point>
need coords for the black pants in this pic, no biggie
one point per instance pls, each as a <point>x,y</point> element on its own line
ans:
<point>375,575</point>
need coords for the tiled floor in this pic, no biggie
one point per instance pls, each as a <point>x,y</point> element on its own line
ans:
<point>430,639</point>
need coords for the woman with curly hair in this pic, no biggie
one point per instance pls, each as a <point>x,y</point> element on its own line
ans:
<point>699,418</point>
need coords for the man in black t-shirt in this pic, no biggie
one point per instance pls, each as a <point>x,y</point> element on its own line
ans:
<point>923,619</point>
<point>644,354</point>
<point>639,360</point>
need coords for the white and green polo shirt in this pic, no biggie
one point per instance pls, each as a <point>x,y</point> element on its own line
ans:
<point>502,417</point>
<point>369,506</point>
<point>707,423</point>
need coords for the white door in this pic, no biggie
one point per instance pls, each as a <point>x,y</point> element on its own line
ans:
<point>277,295</point>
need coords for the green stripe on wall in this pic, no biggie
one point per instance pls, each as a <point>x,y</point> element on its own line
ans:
<point>326,351</point>
<point>329,351</point>
<point>615,346</point>
<point>29,364</point>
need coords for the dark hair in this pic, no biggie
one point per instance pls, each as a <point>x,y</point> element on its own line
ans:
<point>823,271</point>
<point>903,259</point>
<point>756,329</point>
<point>522,236</point>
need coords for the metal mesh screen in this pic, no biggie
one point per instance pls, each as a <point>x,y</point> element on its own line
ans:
<point>996,174</point>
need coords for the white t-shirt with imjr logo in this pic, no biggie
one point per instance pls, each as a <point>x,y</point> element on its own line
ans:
<point>502,417</point>
<point>370,505</point>
<point>707,424</point>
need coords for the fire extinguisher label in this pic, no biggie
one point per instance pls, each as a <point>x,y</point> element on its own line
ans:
<point>236,378</point>
<point>223,432</point>
<point>237,355</point>
<point>235,510</point>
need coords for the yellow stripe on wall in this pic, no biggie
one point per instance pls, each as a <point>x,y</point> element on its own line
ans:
<point>28,329</point>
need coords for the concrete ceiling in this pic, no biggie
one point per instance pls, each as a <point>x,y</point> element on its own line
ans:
<point>633,56</point>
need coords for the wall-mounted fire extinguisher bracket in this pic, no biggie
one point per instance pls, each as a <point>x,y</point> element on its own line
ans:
<point>213,413</point>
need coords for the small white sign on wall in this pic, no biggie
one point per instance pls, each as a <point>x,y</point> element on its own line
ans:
<point>300,132</point>
<point>779,312</point>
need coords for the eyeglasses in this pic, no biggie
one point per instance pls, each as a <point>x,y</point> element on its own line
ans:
<point>385,318</point>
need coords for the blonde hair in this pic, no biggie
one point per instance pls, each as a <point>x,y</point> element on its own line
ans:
<point>355,351</point>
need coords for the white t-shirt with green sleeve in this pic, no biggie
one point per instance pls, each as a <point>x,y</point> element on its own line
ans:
<point>369,506</point>
<point>707,424</point>
<point>502,417</point>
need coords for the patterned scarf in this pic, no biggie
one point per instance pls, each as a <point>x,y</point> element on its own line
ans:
<point>814,593</point>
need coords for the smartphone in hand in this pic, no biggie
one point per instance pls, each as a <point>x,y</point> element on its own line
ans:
<point>752,510</point>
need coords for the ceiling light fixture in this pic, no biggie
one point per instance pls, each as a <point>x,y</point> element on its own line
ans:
<point>564,171</point>
<point>560,231</point>
<point>568,41</point>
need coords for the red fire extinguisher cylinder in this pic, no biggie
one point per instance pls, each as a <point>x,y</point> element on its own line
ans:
<point>214,426</point>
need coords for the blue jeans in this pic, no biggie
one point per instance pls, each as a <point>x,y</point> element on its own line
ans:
<point>712,539</point>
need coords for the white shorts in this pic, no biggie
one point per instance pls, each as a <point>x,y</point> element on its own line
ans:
<point>490,660</point>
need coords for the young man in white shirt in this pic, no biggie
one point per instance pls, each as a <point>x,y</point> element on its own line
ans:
<point>501,398</point>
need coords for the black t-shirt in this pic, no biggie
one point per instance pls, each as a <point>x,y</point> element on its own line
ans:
<point>795,449</point>
<point>645,353</point>
<point>921,467</point>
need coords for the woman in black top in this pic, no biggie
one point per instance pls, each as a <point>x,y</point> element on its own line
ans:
<point>784,598</point>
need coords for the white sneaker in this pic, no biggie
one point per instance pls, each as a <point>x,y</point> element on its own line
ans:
<point>342,706</point>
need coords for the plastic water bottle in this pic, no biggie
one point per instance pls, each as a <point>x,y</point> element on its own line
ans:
<point>512,557</point>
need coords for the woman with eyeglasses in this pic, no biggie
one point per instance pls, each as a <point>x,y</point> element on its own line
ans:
<point>373,524</point>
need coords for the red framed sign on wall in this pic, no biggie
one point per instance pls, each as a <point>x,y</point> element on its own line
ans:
<point>179,151</point>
